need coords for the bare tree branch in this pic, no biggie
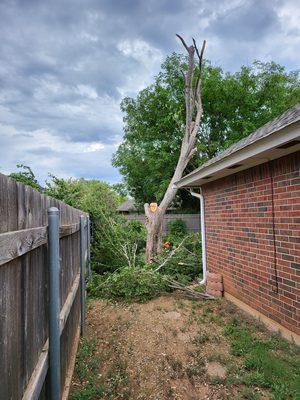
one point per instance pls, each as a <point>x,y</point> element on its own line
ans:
<point>201,57</point>
<point>183,42</point>
<point>196,48</point>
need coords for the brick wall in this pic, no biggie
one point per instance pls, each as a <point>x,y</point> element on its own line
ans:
<point>253,237</point>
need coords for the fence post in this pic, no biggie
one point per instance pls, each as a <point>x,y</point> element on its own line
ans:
<point>89,245</point>
<point>54,303</point>
<point>82,274</point>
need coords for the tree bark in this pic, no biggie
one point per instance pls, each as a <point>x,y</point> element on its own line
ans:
<point>193,107</point>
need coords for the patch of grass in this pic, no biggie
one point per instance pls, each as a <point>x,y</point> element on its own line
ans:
<point>118,381</point>
<point>262,365</point>
<point>87,364</point>
<point>216,319</point>
<point>87,393</point>
<point>86,361</point>
<point>114,385</point>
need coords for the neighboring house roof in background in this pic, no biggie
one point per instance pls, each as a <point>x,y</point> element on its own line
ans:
<point>290,117</point>
<point>128,205</point>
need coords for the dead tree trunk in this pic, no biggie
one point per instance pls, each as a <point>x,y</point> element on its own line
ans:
<point>193,108</point>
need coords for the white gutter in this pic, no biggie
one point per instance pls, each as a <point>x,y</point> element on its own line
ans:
<point>203,243</point>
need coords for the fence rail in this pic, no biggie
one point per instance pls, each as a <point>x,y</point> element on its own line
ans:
<point>28,290</point>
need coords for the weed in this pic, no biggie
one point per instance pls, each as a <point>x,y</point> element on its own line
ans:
<point>216,338</point>
<point>202,337</point>
<point>216,380</point>
<point>174,332</point>
<point>179,304</point>
<point>206,311</point>
<point>219,358</point>
<point>177,367</point>
<point>249,394</point>
<point>118,381</point>
<point>174,363</point>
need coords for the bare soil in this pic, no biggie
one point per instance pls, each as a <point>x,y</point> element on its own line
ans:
<point>169,348</point>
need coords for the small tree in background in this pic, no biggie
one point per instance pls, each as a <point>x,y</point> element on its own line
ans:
<point>26,176</point>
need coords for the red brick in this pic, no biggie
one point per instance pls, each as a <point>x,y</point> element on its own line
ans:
<point>240,240</point>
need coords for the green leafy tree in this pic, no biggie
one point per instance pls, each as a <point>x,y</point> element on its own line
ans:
<point>100,201</point>
<point>235,104</point>
<point>121,189</point>
<point>26,176</point>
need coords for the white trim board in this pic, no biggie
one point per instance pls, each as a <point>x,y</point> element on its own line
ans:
<point>254,154</point>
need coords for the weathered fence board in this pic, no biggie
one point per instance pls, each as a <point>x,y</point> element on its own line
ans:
<point>16,243</point>
<point>24,344</point>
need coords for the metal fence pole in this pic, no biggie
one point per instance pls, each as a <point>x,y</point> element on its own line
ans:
<point>54,303</point>
<point>82,273</point>
<point>89,246</point>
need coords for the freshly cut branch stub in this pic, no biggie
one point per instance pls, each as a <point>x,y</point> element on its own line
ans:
<point>153,207</point>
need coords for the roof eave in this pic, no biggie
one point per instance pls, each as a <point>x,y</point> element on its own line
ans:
<point>256,153</point>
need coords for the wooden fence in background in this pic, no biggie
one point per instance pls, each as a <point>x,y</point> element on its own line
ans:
<point>192,221</point>
<point>24,341</point>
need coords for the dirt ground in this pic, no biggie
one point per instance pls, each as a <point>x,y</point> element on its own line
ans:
<point>168,348</point>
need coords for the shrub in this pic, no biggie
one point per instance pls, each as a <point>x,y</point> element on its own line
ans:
<point>128,284</point>
<point>115,241</point>
<point>177,228</point>
<point>185,264</point>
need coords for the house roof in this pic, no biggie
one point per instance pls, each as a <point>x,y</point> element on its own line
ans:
<point>255,149</point>
<point>126,206</point>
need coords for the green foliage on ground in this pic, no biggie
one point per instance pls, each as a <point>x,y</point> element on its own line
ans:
<point>235,104</point>
<point>183,257</point>
<point>128,284</point>
<point>269,363</point>
<point>86,369</point>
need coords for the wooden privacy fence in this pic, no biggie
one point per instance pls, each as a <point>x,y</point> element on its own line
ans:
<point>42,292</point>
<point>192,221</point>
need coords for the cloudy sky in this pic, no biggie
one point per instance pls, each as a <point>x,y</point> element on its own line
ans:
<point>65,66</point>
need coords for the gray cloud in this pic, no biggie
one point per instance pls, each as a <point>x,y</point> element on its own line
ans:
<point>250,20</point>
<point>66,64</point>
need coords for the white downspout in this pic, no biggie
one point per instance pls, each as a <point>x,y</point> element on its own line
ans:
<point>202,221</point>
